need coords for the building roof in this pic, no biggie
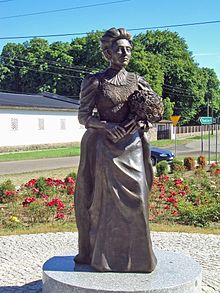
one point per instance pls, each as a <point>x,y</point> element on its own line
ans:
<point>44,100</point>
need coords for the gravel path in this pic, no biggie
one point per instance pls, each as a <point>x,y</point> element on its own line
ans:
<point>22,257</point>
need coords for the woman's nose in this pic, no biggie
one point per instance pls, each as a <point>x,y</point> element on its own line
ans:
<point>125,51</point>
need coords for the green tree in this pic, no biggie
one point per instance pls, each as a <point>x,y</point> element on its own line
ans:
<point>87,53</point>
<point>10,69</point>
<point>212,94</point>
<point>148,65</point>
<point>168,108</point>
<point>183,79</point>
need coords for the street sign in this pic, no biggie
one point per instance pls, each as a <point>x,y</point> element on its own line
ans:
<point>205,120</point>
<point>175,119</point>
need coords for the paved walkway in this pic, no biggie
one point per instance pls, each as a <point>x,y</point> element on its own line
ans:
<point>22,257</point>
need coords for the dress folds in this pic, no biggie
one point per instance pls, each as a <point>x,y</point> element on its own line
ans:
<point>112,189</point>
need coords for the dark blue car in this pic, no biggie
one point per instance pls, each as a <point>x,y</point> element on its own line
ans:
<point>158,155</point>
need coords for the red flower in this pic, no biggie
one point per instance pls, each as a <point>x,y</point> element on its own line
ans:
<point>70,180</point>
<point>34,189</point>
<point>70,190</point>
<point>27,201</point>
<point>164,178</point>
<point>162,196</point>
<point>44,196</point>
<point>171,199</point>
<point>9,193</point>
<point>31,183</point>
<point>59,216</point>
<point>182,192</point>
<point>55,202</point>
<point>162,187</point>
<point>185,187</point>
<point>178,182</point>
<point>217,171</point>
<point>173,193</point>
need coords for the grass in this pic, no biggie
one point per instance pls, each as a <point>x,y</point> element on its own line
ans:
<point>41,154</point>
<point>212,158</point>
<point>21,178</point>
<point>41,228</point>
<point>71,227</point>
<point>75,150</point>
<point>213,229</point>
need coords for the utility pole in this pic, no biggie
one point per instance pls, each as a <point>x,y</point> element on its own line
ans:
<point>209,134</point>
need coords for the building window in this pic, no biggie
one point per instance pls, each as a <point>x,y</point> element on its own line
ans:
<point>14,123</point>
<point>62,124</point>
<point>40,124</point>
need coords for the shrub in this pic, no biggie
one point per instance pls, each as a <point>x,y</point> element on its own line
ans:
<point>202,161</point>
<point>162,168</point>
<point>7,191</point>
<point>177,166</point>
<point>71,174</point>
<point>189,163</point>
<point>186,200</point>
<point>214,169</point>
<point>39,200</point>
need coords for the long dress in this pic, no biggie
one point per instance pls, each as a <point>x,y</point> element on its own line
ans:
<point>113,182</point>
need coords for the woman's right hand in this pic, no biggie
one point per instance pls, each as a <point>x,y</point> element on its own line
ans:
<point>115,133</point>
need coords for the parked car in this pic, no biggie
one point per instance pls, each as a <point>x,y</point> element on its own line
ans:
<point>158,155</point>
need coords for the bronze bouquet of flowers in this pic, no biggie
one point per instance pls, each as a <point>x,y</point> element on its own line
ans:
<point>146,106</point>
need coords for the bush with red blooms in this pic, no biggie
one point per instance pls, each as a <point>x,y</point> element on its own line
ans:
<point>39,200</point>
<point>193,200</point>
<point>186,199</point>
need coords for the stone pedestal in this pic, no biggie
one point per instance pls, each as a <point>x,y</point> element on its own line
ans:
<point>175,273</point>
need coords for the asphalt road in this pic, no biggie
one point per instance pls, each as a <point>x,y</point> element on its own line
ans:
<point>190,149</point>
<point>15,167</point>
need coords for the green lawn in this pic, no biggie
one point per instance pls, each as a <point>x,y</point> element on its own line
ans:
<point>21,178</point>
<point>41,154</point>
<point>71,227</point>
<point>75,150</point>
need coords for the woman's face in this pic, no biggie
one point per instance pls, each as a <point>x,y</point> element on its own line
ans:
<point>120,53</point>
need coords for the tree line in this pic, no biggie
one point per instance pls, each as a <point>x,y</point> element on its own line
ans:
<point>162,57</point>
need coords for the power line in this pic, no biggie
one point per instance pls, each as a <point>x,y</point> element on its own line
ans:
<point>176,87</point>
<point>64,67</point>
<point>63,9</point>
<point>48,72</point>
<point>176,25</point>
<point>26,93</point>
<point>178,90</point>
<point>177,93</point>
<point>131,29</point>
<point>6,1</point>
<point>175,90</point>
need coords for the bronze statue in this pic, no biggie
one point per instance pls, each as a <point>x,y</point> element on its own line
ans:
<point>115,172</point>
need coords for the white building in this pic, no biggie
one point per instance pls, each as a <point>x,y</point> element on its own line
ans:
<point>38,119</point>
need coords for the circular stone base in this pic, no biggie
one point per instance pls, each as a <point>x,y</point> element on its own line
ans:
<point>175,272</point>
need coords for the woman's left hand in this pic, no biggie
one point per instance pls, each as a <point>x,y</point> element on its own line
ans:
<point>133,125</point>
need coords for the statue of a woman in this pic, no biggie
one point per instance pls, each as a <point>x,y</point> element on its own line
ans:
<point>115,173</point>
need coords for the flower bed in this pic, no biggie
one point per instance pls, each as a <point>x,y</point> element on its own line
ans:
<point>39,200</point>
<point>192,199</point>
<point>185,197</point>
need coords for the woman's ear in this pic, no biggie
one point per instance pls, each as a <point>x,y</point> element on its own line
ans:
<point>108,54</point>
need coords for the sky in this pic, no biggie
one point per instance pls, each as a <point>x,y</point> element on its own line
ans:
<point>203,40</point>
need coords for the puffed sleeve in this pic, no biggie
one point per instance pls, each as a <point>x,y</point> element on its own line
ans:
<point>143,84</point>
<point>87,98</point>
